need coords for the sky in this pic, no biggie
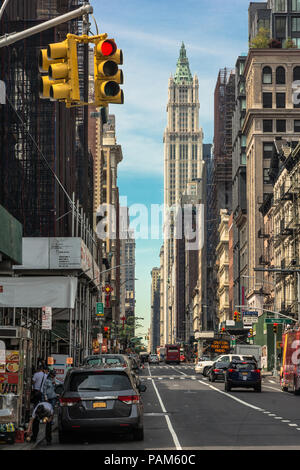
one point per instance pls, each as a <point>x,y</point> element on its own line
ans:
<point>150,34</point>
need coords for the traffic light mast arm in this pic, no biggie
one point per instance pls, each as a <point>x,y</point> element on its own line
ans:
<point>14,37</point>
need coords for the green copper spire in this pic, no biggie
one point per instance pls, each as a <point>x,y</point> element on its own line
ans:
<point>183,69</point>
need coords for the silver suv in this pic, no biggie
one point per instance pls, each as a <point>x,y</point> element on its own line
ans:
<point>97,398</point>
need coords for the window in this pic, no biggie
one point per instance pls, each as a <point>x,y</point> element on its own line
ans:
<point>280,25</point>
<point>295,5</point>
<point>280,100</point>
<point>296,73</point>
<point>266,176</point>
<point>106,381</point>
<point>267,75</point>
<point>267,125</point>
<point>243,141</point>
<point>296,42</point>
<point>280,76</point>
<point>296,126</point>
<point>267,100</point>
<point>268,148</point>
<point>279,5</point>
<point>280,125</point>
<point>295,25</point>
<point>243,104</point>
<point>243,158</point>
<point>242,67</point>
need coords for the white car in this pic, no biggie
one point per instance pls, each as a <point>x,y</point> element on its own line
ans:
<point>204,363</point>
<point>153,359</point>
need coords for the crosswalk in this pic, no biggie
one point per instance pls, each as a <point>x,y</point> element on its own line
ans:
<point>166,366</point>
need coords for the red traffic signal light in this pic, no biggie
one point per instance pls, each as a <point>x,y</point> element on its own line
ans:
<point>106,328</point>
<point>107,47</point>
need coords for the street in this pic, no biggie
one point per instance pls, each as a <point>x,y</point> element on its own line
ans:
<point>184,411</point>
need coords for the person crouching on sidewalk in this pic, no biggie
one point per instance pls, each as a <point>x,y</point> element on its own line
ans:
<point>43,411</point>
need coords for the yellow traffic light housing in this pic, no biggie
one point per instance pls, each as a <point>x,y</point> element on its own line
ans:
<point>108,77</point>
<point>60,61</point>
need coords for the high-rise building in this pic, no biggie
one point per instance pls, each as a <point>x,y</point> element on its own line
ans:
<point>271,115</point>
<point>239,203</point>
<point>155,310</point>
<point>182,158</point>
<point>280,17</point>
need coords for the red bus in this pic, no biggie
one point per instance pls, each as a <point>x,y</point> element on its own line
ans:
<point>290,369</point>
<point>172,353</point>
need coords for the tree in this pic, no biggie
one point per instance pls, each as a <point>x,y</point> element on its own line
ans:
<point>261,40</point>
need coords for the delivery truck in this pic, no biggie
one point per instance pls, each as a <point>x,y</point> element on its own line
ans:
<point>250,350</point>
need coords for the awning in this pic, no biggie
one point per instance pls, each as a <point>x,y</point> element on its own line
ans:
<point>37,292</point>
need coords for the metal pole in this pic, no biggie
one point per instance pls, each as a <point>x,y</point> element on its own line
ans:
<point>73,214</point>
<point>12,38</point>
<point>3,8</point>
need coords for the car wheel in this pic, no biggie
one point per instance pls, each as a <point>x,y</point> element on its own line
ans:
<point>138,434</point>
<point>64,438</point>
<point>227,387</point>
<point>205,371</point>
<point>295,391</point>
<point>284,389</point>
<point>258,388</point>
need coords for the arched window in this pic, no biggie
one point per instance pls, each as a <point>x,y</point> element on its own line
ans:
<point>267,75</point>
<point>280,76</point>
<point>296,73</point>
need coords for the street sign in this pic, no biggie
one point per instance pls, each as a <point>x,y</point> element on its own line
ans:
<point>250,317</point>
<point>279,320</point>
<point>99,309</point>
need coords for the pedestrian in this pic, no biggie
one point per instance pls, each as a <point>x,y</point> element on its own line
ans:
<point>48,390</point>
<point>38,380</point>
<point>43,411</point>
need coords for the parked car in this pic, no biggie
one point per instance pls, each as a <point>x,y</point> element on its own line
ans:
<point>217,371</point>
<point>153,359</point>
<point>243,374</point>
<point>100,398</point>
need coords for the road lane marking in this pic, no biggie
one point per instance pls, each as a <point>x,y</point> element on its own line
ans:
<point>171,429</point>
<point>178,370</point>
<point>230,396</point>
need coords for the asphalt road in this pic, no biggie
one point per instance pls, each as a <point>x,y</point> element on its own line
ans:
<point>184,411</point>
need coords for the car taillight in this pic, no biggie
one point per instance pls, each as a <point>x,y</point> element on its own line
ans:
<point>217,370</point>
<point>257,371</point>
<point>69,401</point>
<point>230,370</point>
<point>129,399</point>
<point>124,365</point>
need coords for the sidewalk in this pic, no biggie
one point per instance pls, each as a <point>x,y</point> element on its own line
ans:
<point>31,445</point>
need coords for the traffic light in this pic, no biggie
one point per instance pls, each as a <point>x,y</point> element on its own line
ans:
<point>106,331</point>
<point>60,62</point>
<point>223,329</point>
<point>108,77</point>
<point>275,328</point>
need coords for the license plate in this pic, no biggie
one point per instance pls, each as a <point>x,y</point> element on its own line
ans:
<point>100,404</point>
<point>245,373</point>
<point>244,377</point>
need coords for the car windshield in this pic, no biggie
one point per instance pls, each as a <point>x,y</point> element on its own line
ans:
<point>104,360</point>
<point>244,366</point>
<point>99,381</point>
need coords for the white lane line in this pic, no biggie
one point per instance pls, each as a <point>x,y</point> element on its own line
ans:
<point>178,370</point>
<point>230,396</point>
<point>171,429</point>
<point>272,381</point>
<point>278,417</point>
<point>273,388</point>
<point>295,425</point>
